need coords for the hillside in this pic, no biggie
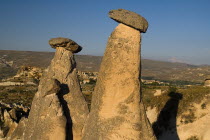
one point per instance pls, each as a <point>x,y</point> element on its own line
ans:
<point>10,61</point>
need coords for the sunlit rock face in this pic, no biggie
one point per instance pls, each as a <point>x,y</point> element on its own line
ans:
<point>116,110</point>
<point>58,109</point>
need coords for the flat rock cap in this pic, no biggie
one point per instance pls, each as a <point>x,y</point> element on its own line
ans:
<point>66,43</point>
<point>129,18</point>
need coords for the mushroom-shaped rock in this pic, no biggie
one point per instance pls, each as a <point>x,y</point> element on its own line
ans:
<point>129,18</point>
<point>68,44</point>
<point>117,111</point>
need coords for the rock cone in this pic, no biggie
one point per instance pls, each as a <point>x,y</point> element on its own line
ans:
<point>59,102</point>
<point>117,111</point>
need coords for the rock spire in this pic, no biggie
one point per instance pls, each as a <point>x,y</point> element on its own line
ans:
<point>117,111</point>
<point>59,109</point>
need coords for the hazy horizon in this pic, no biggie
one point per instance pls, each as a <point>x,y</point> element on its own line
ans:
<point>178,30</point>
<point>161,60</point>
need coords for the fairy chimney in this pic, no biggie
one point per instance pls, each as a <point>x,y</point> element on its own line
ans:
<point>117,111</point>
<point>58,96</point>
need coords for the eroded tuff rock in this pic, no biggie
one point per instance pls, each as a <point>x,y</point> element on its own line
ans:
<point>46,118</point>
<point>10,115</point>
<point>59,102</point>
<point>12,129</point>
<point>129,18</point>
<point>115,102</point>
<point>117,111</point>
<point>19,130</point>
<point>7,119</point>
<point>145,126</point>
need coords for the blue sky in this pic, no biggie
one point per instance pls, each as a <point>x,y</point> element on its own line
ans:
<point>179,30</point>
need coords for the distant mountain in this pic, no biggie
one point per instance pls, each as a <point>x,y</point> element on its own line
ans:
<point>10,61</point>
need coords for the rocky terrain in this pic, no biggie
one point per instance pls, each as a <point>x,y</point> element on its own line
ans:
<point>119,106</point>
<point>192,110</point>
<point>179,113</point>
<point>151,69</point>
<point>10,115</point>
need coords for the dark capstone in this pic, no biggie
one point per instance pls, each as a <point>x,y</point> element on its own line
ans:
<point>66,43</point>
<point>129,18</point>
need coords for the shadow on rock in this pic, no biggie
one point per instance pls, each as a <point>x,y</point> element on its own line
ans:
<point>64,90</point>
<point>166,121</point>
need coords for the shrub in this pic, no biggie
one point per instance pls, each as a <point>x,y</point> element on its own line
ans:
<point>172,89</point>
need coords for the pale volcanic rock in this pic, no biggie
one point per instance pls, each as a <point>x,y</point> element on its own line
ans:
<point>68,44</point>
<point>11,129</point>
<point>145,125</point>
<point>64,70</point>
<point>12,114</point>
<point>46,118</point>
<point>7,119</point>
<point>20,130</point>
<point>129,18</point>
<point>53,87</point>
<point>115,110</point>
<point>63,66</point>
<point>59,109</point>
